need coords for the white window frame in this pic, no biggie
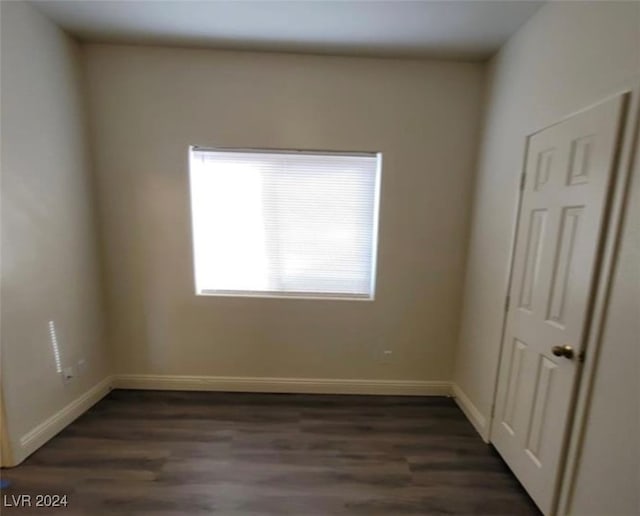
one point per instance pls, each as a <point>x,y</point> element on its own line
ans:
<point>291,294</point>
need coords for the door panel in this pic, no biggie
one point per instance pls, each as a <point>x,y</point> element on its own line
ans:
<point>568,172</point>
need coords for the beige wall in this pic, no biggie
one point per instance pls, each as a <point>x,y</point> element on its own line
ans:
<point>568,56</point>
<point>49,252</point>
<point>149,104</point>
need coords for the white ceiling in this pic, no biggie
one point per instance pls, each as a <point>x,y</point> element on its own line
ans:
<point>445,29</point>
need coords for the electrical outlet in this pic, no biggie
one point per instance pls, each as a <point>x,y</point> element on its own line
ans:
<point>82,367</point>
<point>67,374</point>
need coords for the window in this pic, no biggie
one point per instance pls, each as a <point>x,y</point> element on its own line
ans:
<point>284,223</point>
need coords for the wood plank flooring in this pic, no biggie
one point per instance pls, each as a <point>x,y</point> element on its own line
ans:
<point>195,453</point>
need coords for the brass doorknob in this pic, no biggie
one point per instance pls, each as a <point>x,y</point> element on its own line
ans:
<point>563,351</point>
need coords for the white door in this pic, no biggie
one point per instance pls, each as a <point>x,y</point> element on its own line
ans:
<point>568,172</point>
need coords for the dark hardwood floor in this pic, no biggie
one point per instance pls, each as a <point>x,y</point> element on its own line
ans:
<point>183,453</point>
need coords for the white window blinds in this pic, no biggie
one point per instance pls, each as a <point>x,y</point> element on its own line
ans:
<point>284,223</point>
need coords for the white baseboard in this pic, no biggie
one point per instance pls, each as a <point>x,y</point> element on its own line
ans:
<point>281,385</point>
<point>42,433</point>
<point>39,435</point>
<point>476,418</point>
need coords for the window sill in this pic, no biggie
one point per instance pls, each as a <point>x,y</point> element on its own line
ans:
<point>287,295</point>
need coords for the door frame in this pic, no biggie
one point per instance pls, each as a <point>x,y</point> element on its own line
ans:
<point>628,132</point>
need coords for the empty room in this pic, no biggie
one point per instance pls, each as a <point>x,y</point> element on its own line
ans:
<point>320,257</point>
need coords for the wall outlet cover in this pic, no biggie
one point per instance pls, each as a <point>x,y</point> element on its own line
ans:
<point>67,374</point>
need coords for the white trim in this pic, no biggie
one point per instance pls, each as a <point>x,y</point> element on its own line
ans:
<point>375,230</point>
<point>281,385</point>
<point>472,412</point>
<point>268,150</point>
<point>39,435</point>
<point>486,435</point>
<point>205,292</point>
